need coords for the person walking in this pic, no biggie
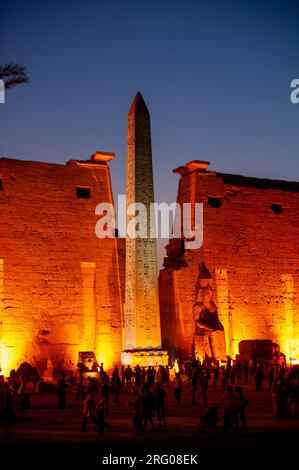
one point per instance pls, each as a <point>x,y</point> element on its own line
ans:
<point>116,385</point>
<point>177,386</point>
<point>61,392</point>
<point>204,388</point>
<point>231,406</point>
<point>101,413</point>
<point>194,386</point>
<point>160,395</point>
<point>80,389</point>
<point>148,407</point>
<point>137,414</point>
<point>5,397</point>
<point>89,410</point>
<point>243,404</point>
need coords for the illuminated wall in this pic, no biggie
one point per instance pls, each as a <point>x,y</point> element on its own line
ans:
<point>60,286</point>
<point>251,247</point>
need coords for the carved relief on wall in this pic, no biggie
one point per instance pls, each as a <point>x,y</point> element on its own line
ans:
<point>209,332</point>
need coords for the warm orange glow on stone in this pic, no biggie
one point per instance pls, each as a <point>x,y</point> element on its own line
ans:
<point>252,253</point>
<point>61,288</point>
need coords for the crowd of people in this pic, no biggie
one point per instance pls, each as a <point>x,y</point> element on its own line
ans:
<point>147,392</point>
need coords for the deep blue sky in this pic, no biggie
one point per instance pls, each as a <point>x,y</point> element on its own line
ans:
<point>215,75</point>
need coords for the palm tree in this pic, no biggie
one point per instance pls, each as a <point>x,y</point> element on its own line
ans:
<point>13,75</point>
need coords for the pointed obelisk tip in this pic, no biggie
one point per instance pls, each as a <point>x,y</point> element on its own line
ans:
<point>138,106</point>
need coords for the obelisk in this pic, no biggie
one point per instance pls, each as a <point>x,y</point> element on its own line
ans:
<point>142,332</point>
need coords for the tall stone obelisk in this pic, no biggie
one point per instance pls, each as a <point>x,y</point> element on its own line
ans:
<point>142,333</point>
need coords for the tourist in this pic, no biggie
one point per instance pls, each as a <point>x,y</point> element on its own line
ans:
<point>166,376</point>
<point>137,371</point>
<point>61,392</point>
<point>128,376</point>
<point>194,386</point>
<point>122,376</point>
<point>148,407</point>
<point>274,397</point>
<point>215,376</point>
<point>89,410</point>
<point>239,370</point>
<point>143,376</point>
<point>159,375</point>
<point>80,388</point>
<point>105,388</point>
<point>243,403</point>
<point>223,377</point>
<point>177,386</point>
<point>259,378</point>
<point>160,395</point>
<point>203,380</point>
<point>150,376</point>
<point>116,385</point>
<point>102,369</point>
<point>101,413</point>
<point>5,398</point>
<point>231,407</point>
<point>245,371</point>
<point>23,397</point>
<point>232,375</point>
<point>270,377</point>
<point>137,415</point>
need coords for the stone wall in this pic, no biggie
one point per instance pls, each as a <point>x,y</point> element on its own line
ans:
<point>60,286</point>
<point>250,246</point>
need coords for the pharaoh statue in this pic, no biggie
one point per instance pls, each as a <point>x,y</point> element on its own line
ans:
<point>209,339</point>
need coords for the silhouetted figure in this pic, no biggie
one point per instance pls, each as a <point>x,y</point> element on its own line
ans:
<point>137,414</point>
<point>204,388</point>
<point>101,414</point>
<point>128,376</point>
<point>194,386</point>
<point>209,420</point>
<point>89,410</point>
<point>223,377</point>
<point>148,407</point>
<point>245,372</point>
<point>177,386</point>
<point>61,392</point>
<point>231,407</point>
<point>116,385</point>
<point>105,389</point>
<point>270,377</point>
<point>243,403</point>
<point>5,399</point>
<point>80,389</point>
<point>259,377</point>
<point>215,377</point>
<point>160,395</point>
<point>137,371</point>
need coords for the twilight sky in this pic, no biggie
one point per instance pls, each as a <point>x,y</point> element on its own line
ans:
<point>215,75</point>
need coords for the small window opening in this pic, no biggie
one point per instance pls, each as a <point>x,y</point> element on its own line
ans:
<point>215,202</point>
<point>1,185</point>
<point>277,208</point>
<point>83,193</point>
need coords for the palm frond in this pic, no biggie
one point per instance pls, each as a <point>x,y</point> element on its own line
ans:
<point>13,75</point>
<point>15,81</point>
<point>12,69</point>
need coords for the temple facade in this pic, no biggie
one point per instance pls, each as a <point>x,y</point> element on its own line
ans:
<point>245,277</point>
<point>61,287</point>
<point>66,292</point>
